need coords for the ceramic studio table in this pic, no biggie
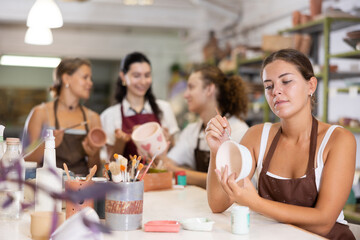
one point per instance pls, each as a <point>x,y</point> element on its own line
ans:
<point>180,204</point>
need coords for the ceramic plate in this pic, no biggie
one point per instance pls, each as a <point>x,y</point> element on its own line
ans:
<point>197,224</point>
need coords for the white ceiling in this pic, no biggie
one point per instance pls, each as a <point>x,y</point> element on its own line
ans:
<point>164,14</point>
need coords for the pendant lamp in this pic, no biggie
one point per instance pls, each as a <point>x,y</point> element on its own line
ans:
<point>38,36</point>
<point>45,13</point>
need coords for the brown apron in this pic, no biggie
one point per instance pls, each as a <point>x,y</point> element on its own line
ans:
<point>202,158</point>
<point>297,191</point>
<point>71,151</point>
<point>128,123</point>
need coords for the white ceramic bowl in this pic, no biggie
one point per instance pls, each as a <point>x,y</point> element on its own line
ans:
<point>236,156</point>
<point>197,224</point>
<point>74,228</point>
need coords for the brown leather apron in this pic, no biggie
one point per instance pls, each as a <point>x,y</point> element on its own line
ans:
<point>297,191</point>
<point>71,151</point>
<point>128,123</point>
<point>202,158</point>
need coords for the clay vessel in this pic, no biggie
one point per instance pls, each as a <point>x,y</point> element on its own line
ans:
<point>77,185</point>
<point>315,7</point>
<point>97,137</point>
<point>296,18</point>
<point>158,181</point>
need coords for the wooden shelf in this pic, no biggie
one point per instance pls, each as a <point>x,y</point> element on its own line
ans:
<point>353,130</point>
<point>316,26</point>
<point>345,90</point>
<point>340,75</point>
<point>251,61</point>
<point>350,55</point>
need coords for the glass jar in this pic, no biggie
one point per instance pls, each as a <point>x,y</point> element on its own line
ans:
<point>12,187</point>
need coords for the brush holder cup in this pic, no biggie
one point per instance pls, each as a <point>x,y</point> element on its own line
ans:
<point>124,207</point>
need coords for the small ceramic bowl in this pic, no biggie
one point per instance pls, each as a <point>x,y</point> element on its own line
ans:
<point>197,224</point>
<point>236,156</point>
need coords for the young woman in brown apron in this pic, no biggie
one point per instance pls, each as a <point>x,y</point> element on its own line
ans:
<point>136,105</point>
<point>292,187</point>
<point>208,88</point>
<point>71,84</point>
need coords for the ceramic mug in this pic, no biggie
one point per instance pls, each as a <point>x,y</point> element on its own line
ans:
<point>236,156</point>
<point>74,228</point>
<point>97,137</point>
<point>40,225</point>
<point>149,138</point>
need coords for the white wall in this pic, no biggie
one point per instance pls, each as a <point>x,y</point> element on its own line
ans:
<point>162,47</point>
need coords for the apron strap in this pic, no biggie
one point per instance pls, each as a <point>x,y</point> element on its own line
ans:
<point>57,125</point>
<point>313,142</point>
<point>269,155</point>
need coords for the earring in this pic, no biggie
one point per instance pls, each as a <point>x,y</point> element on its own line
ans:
<point>67,85</point>
<point>311,94</point>
<point>123,83</point>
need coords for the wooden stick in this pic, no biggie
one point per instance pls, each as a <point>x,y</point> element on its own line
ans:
<point>67,171</point>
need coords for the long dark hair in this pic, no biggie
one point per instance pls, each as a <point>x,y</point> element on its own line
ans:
<point>231,93</point>
<point>66,66</point>
<point>135,57</point>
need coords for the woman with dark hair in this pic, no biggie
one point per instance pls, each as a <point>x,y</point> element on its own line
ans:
<point>136,105</point>
<point>305,167</point>
<point>208,89</point>
<point>72,83</point>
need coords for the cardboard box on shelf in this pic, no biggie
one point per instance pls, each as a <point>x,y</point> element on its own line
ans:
<point>272,43</point>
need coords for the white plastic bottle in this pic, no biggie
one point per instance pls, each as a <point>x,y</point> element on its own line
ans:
<point>2,144</point>
<point>50,180</point>
<point>11,187</point>
<point>240,220</point>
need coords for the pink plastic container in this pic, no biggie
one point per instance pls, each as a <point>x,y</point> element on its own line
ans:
<point>162,226</point>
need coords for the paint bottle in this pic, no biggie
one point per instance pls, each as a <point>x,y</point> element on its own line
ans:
<point>48,177</point>
<point>240,220</point>
<point>181,178</point>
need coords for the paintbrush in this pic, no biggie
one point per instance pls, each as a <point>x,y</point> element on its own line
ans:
<point>227,133</point>
<point>138,171</point>
<point>115,172</point>
<point>75,125</point>
<point>148,166</point>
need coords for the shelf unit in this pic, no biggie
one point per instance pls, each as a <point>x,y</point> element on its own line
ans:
<point>251,67</point>
<point>325,26</point>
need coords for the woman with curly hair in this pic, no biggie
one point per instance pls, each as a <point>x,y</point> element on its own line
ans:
<point>208,89</point>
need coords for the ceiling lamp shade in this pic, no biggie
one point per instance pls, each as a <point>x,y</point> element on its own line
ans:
<point>38,36</point>
<point>44,13</point>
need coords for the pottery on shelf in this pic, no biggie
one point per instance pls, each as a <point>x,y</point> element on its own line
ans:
<point>315,7</point>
